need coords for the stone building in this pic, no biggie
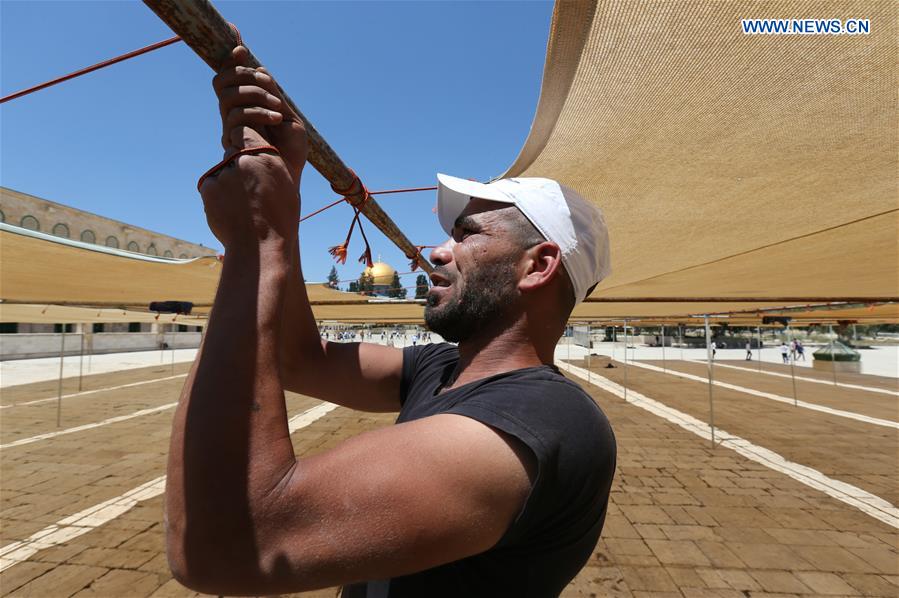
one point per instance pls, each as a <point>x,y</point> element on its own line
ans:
<point>35,213</point>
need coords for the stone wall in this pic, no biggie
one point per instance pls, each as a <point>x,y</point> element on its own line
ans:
<point>28,211</point>
<point>26,346</point>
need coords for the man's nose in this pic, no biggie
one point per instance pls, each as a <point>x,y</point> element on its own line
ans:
<point>443,254</point>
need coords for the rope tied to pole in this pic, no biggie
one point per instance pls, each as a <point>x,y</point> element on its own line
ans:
<point>340,251</point>
<point>414,264</point>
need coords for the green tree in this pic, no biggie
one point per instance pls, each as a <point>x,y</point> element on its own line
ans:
<point>421,286</point>
<point>332,277</point>
<point>396,289</point>
<point>367,284</point>
<point>354,286</point>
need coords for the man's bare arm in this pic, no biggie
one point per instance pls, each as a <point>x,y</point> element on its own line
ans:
<point>334,372</point>
<point>230,444</point>
<point>383,504</point>
<point>330,371</point>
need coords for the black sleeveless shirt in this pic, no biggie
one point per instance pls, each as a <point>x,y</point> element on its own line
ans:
<point>559,526</point>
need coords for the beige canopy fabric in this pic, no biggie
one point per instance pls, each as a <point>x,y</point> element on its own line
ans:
<point>47,279</point>
<point>727,165</point>
<point>45,270</point>
<point>67,314</point>
<point>42,269</point>
<point>738,314</point>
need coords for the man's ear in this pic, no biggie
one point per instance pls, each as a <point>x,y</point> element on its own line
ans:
<point>542,263</point>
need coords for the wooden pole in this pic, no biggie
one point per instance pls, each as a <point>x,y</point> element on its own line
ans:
<point>202,28</point>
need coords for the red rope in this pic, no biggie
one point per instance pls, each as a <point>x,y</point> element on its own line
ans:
<point>409,190</point>
<point>342,199</point>
<point>320,210</point>
<point>247,150</point>
<point>91,69</point>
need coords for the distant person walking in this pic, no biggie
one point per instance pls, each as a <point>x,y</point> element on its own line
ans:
<point>785,352</point>
<point>714,349</point>
<point>800,350</point>
<point>748,351</point>
<point>793,349</point>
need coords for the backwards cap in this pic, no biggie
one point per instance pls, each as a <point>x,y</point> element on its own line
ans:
<point>558,212</point>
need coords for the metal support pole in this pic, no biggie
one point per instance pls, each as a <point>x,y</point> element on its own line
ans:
<point>833,364</point>
<point>587,358</point>
<point>625,360</point>
<point>90,352</point>
<point>664,366</point>
<point>62,353</point>
<point>759,330</point>
<point>173,350</point>
<point>81,361</point>
<point>792,365</point>
<point>208,34</point>
<point>708,354</point>
<point>614,340</point>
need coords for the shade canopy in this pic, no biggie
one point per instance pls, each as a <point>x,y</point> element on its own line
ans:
<point>738,173</point>
<point>727,165</point>
<point>68,314</point>
<point>47,279</point>
<point>40,268</point>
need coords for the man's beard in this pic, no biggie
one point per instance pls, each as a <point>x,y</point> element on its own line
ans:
<point>486,295</point>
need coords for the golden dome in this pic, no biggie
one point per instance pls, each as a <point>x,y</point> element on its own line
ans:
<point>381,273</point>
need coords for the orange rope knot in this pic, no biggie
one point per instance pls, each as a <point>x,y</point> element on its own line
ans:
<point>418,257</point>
<point>340,251</point>
<point>228,160</point>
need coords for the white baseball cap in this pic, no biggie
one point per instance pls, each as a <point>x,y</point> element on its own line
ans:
<point>558,212</point>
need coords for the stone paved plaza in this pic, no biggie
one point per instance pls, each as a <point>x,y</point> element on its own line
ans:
<point>685,519</point>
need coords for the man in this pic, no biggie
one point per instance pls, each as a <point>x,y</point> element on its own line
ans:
<point>785,351</point>
<point>748,351</point>
<point>496,478</point>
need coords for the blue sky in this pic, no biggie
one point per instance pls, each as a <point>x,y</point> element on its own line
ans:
<point>401,90</point>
